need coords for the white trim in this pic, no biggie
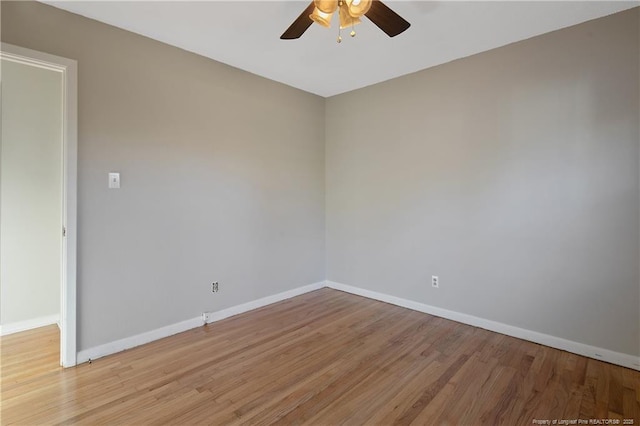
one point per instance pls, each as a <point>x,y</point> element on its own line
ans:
<point>617,358</point>
<point>255,304</point>
<point>68,68</point>
<point>17,327</point>
<point>160,333</point>
<point>625,360</point>
<point>137,340</point>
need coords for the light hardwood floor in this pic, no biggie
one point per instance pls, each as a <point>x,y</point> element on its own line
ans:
<point>323,358</point>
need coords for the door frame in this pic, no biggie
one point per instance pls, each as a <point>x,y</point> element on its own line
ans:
<point>69,70</point>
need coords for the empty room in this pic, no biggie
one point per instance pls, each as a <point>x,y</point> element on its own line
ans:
<point>329,212</point>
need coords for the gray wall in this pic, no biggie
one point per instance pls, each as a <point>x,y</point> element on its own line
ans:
<point>30,193</point>
<point>512,175</point>
<point>222,177</point>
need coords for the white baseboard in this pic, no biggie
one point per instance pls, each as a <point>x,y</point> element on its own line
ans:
<point>137,340</point>
<point>160,333</point>
<point>617,358</point>
<point>625,360</point>
<point>255,304</point>
<point>16,327</point>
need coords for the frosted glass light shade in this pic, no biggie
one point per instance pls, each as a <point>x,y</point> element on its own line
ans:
<point>326,6</point>
<point>346,20</point>
<point>321,17</point>
<point>358,8</point>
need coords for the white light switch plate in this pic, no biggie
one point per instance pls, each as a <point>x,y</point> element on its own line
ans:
<point>114,180</point>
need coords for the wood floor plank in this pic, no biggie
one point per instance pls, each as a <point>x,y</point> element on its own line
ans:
<point>326,358</point>
<point>615,391</point>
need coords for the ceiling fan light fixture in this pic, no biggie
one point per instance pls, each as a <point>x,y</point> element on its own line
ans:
<point>357,8</point>
<point>381,15</point>
<point>326,6</point>
<point>321,18</point>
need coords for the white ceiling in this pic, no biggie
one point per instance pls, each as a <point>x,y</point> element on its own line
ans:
<point>245,34</point>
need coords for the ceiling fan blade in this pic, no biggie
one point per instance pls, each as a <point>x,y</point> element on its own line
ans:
<point>386,19</point>
<point>300,25</point>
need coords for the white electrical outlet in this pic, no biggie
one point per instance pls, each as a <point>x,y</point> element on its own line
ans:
<point>434,282</point>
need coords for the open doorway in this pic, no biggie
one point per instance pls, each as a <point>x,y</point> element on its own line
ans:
<point>38,190</point>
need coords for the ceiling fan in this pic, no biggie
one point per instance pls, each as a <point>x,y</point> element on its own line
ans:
<point>350,12</point>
